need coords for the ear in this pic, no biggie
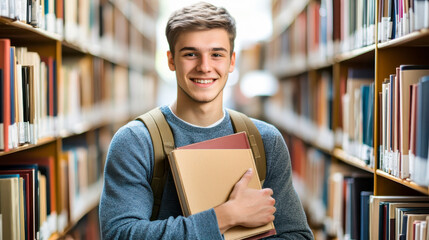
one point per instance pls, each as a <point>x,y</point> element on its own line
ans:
<point>232,64</point>
<point>171,61</point>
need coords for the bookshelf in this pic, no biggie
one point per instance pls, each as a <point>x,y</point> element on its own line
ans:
<point>92,70</point>
<point>339,41</point>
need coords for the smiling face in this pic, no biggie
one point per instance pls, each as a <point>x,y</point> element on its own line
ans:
<point>202,61</point>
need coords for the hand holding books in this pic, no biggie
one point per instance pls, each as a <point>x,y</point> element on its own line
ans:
<point>252,207</point>
<point>210,175</point>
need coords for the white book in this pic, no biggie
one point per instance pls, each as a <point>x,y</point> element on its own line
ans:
<point>24,10</point>
<point>20,109</point>
<point>18,11</point>
<point>4,8</point>
<point>12,9</point>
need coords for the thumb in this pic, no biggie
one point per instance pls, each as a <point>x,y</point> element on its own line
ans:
<point>242,183</point>
<point>245,179</point>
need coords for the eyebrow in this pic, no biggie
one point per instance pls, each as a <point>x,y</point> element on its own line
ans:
<point>216,49</point>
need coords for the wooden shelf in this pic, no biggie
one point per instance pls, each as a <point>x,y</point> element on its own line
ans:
<point>21,32</point>
<point>293,67</point>
<point>88,126</point>
<point>27,146</point>
<point>354,161</point>
<point>415,39</point>
<point>92,199</point>
<point>407,183</point>
<point>359,54</point>
<point>307,132</point>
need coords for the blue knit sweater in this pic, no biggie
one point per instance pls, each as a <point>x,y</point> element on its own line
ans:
<point>126,200</point>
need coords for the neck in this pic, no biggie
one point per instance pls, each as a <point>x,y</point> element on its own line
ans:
<point>200,114</point>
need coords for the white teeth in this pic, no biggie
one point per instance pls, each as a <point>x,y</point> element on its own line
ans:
<point>203,81</point>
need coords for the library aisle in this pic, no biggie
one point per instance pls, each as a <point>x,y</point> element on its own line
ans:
<point>351,103</point>
<point>345,81</point>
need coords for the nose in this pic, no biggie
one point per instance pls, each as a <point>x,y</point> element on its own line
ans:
<point>204,64</point>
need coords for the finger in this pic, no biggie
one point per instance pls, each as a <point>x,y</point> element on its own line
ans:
<point>245,179</point>
<point>268,191</point>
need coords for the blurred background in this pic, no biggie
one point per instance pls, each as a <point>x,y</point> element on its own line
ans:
<point>345,81</point>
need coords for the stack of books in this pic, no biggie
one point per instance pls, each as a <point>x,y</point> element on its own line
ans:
<point>205,174</point>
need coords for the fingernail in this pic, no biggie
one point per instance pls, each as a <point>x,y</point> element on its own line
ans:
<point>249,170</point>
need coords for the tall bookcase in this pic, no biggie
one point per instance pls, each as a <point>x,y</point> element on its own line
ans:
<point>318,50</point>
<point>95,72</point>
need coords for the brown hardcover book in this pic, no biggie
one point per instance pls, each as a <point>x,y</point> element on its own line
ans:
<point>409,74</point>
<point>204,179</point>
<point>233,141</point>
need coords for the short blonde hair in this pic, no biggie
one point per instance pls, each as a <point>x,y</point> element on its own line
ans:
<point>199,16</point>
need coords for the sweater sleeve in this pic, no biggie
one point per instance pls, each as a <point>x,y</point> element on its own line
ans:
<point>126,201</point>
<point>290,220</point>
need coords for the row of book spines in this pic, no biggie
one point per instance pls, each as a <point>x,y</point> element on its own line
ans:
<point>338,191</point>
<point>400,17</point>
<point>77,173</point>
<point>47,14</point>
<point>313,98</point>
<point>404,133</point>
<point>27,201</point>
<point>398,217</point>
<point>329,22</point>
<point>316,104</point>
<point>29,87</point>
<point>31,118</point>
<point>350,197</point>
<point>356,113</point>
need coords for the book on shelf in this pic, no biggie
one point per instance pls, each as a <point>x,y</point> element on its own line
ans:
<point>5,65</point>
<point>82,176</point>
<point>51,86</point>
<point>406,219</point>
<point>375,220</point>
<point>399,18</point>
<point>221,167</point>
<point>46,166</point>
<point>367,118</point>
<point>345,208</point>
<point>421,161</point>
<point>1,112</point>
<point>399,122</point>
<point>10,206</point>
<point>392,228</point>
<point>30,176</point>
<point>364,214</point>
<point>13,138</point>
<point>412,127</point>
<point>353,104</point>
<point>353,186</point>
<point>409,74</point>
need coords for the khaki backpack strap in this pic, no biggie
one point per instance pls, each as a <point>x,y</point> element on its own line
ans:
<point>242,123</point>
<point>163,144</point>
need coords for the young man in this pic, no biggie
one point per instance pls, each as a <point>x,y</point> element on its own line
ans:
<point>201,39</point>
